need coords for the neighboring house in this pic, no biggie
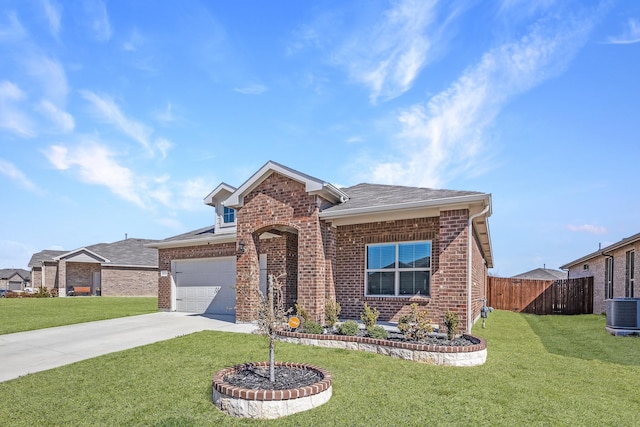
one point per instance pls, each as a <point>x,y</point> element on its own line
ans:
<point>15,279</point>
<point>614,270</point>
<point>125,268</point>
<point>542,274</point>
<point>387,246</point>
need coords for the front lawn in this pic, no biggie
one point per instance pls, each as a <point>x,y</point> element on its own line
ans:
<point>540,371</point>
<point>26,314</point>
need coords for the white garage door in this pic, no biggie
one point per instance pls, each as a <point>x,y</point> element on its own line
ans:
<point>206,285</point>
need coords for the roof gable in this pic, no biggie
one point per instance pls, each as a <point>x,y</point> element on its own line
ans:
<point>312,185</point>
<point>221,192</point>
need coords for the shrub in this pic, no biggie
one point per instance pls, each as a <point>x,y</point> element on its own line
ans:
<point>54,292</point>
<point>350,327</point>
<point>451,322</point>
<point>41,293</point>
<point>331,312</point>
<point>416,325</point>
<point>311,327</point>
<point>369,316</point>
<point>378,332</point>
<point>302,314</point>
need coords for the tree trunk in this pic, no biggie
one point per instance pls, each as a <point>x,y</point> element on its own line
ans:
<point>272,333</point>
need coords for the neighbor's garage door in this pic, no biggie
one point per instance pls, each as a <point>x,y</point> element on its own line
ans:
<point>206,285</point>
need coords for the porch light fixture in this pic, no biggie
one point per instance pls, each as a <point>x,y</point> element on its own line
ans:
<point>241,246</point>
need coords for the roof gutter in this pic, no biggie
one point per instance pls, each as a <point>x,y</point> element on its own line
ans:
<point>449,201</point>
<point>193,242</point>
<point>470,265</point>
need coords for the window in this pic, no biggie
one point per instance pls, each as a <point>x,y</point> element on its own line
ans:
<point>629,276</point>
<point>398,269</point>
<point>608,277</point>
<point>229,215</point>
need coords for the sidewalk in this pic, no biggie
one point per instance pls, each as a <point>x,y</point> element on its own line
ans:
<point>23,353</point>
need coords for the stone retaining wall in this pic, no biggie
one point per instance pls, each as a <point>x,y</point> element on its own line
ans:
<point>472,355</point>
<point>269,404</point>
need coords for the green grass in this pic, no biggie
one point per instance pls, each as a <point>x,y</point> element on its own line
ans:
<point>541,371</point>
<point>26,314</point>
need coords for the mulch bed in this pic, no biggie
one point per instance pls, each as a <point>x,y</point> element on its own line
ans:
<point>257,378</point>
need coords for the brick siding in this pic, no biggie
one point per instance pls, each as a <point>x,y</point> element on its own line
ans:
<point>129,282</point>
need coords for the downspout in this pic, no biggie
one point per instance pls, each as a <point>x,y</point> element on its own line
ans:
<point>470,265</point>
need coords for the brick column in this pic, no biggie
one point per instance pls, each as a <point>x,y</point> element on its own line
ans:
<point>451,277</point>
<point>62,278</point>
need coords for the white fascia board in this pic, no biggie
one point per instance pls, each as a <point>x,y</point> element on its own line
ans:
<point>128,265</point>
<point>448,203</point>
<point>622,243</point>
<point>68,254</point>
<point>226,238</point>
<point>312,185</point>
<point>223,186</point>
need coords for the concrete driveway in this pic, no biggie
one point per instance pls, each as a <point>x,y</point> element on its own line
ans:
<point>23,353</point>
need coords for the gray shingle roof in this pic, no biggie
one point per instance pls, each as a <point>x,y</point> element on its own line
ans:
<point>7,273</point>
<point>46,255</point>
<point>124,252</point>
<point>378,195</point>
<point>194,234</point>
<point>542,274</point>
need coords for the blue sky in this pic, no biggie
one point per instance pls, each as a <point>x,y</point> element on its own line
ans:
<point>121,116</point>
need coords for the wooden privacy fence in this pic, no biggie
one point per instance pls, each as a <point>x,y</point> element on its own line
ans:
<point>569,296</point>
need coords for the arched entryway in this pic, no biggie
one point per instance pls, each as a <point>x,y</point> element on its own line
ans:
<point>270,250</point>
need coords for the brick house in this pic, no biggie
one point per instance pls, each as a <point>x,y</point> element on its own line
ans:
<point>125,268</point>
<point>388,246</point>
<point>15,279</point>
<point>613,269</point>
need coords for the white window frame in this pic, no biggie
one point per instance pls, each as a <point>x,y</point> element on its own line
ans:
<point>396,270</point>
<point>608,277</point>
<point>630,274</point>
<point>224,216</point>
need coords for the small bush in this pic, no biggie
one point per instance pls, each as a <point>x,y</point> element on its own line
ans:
<point>451,322</point>
<point>350,327</point>
<point>311,327</point>
<point>302,314</point>
<point>378,332</point>
<point>41,293</point>
<point>416,325</point>
<point>331,312</point>
<point>369,316</point>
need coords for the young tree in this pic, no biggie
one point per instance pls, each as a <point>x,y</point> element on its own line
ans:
<point>272,317</point>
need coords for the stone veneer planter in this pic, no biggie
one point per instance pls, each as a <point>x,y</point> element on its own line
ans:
<point>471,355</point>
<point>269,404</point>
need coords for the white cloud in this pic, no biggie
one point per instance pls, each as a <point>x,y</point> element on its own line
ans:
<point>165,115</point>
<point>133,42</point>
<point>252,89</point>
<point>51,76</point>
<point>171,223</point>
<point>388,57</point>
<point>445,137</point>
<point>587,228</point>
<point>355,140</point>
<point>52,12</point>
<point>15,254</point>
<point>164,146</point>
<point>12,116</point>
<point>12,30</point>
<point>97,19</point>
<point>11,171</point>
<point>111,113</point>
<point>63,120</point>
<point>630,35</point>
<point>95,164</point>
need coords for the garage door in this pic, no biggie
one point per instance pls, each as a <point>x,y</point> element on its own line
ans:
<point>205,285</point>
